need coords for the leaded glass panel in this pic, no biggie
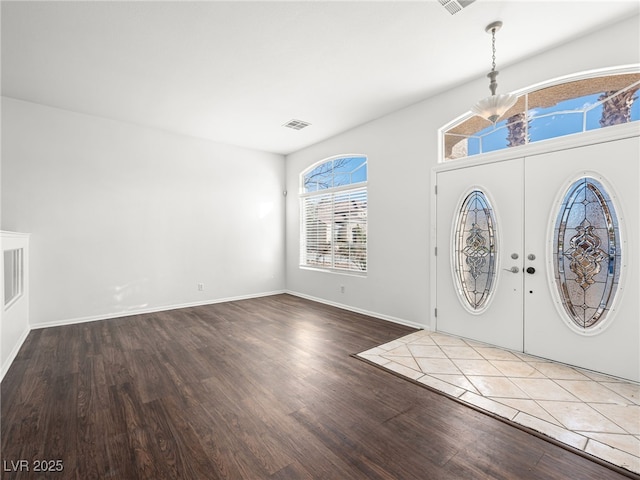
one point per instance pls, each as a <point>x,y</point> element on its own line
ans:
<point>586,253</point>
<point>475,250</point>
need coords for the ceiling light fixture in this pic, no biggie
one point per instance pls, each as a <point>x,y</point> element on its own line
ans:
<point>494,106</point>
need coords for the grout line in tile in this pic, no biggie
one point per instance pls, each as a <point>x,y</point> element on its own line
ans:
<point>609,417</point>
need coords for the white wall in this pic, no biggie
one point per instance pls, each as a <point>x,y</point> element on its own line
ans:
<point>402,150</point>
<point>128,219</point>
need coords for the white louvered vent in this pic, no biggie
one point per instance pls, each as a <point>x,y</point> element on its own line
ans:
<point>454,6</point>
<point>296,124</point>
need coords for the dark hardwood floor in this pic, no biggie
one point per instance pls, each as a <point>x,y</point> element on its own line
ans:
<point>254,389</point>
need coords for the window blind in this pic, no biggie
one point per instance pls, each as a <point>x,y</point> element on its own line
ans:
<point>334,230</point>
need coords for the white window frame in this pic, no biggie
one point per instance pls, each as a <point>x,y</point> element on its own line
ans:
<point>350,194</point>
<point>13,266</point>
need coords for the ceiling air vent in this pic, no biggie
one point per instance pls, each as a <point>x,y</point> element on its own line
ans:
<point>296,124</point>
<point>454,6</point>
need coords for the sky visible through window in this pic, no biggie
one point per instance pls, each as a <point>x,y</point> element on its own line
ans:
<point>336,173</point>
<point>564,118</point>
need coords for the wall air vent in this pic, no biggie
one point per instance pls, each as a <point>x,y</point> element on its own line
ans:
<point>454,6</point>
<point>296,124</point>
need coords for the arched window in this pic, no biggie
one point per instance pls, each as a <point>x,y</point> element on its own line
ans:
<point>554,110</point>
<point>333,197</point>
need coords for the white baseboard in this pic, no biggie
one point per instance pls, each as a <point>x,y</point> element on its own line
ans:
<point>381,316</point>
<point>141,311</point>
<point>14,352</point>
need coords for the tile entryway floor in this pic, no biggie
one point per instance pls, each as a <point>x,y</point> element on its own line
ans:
<point>595,413</point>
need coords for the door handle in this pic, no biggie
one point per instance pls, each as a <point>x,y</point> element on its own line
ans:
<point>513,269</point>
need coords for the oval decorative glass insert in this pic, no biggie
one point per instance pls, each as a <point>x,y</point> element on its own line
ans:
<point>586,253</point>
<point>475,250</point>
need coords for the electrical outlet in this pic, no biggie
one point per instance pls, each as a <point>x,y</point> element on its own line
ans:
<point>201,287</point>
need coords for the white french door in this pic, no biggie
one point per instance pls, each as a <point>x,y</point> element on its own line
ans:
<point>568,222</point>
<point>496,317</point>
<point>612,345</point>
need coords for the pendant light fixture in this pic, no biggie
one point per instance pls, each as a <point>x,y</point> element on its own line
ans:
<point>494,106</point>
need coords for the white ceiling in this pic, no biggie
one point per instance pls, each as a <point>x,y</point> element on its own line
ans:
<point>234,72</point>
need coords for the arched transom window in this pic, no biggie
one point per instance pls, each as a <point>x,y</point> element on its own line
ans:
<point>573,106</point>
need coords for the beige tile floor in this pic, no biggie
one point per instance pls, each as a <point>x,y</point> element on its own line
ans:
<point>592,412</point>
